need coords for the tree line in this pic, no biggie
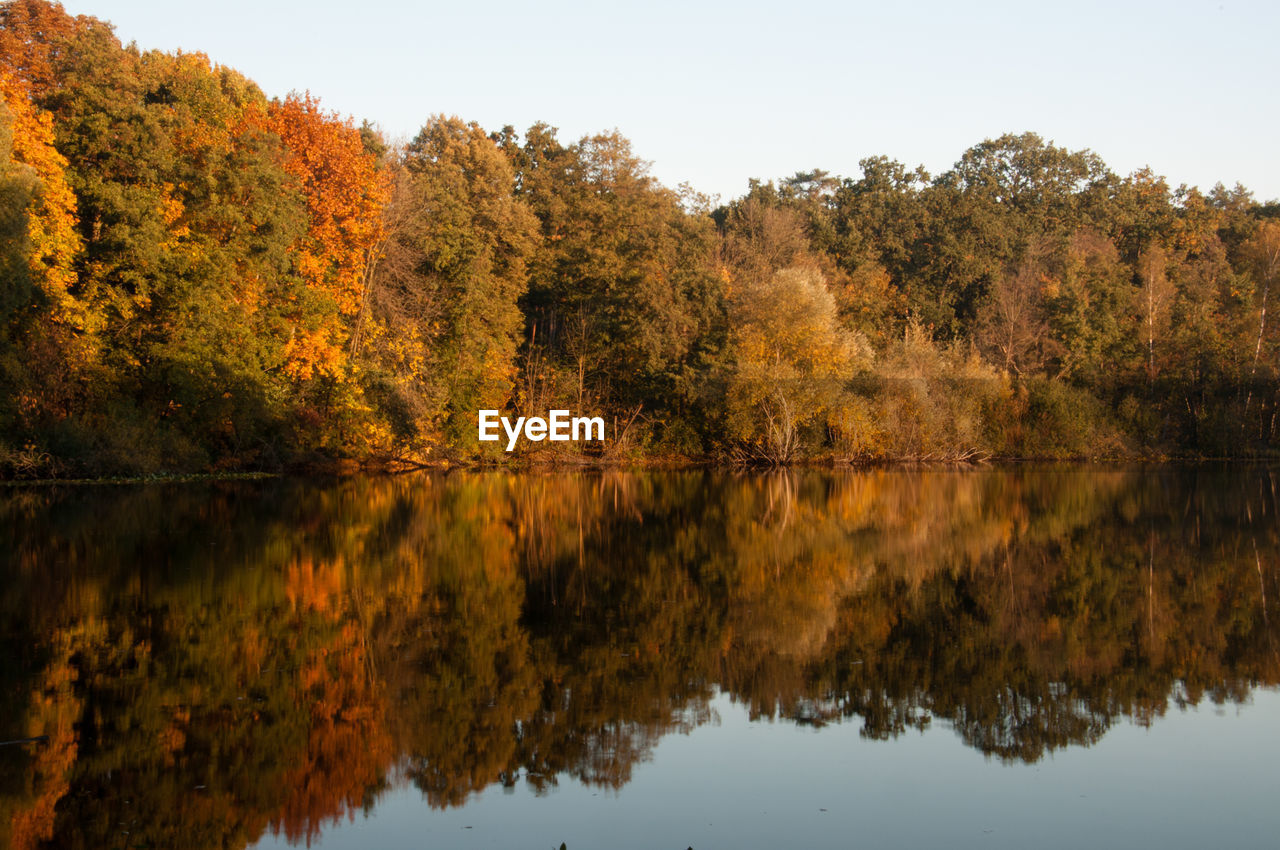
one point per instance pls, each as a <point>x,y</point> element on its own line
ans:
<point>197,277</point>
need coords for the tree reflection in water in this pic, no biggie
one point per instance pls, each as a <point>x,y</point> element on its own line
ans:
<point>213,662</point>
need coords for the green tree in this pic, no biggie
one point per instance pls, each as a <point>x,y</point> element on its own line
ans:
<point>623,300</point>
<point>474,239</point>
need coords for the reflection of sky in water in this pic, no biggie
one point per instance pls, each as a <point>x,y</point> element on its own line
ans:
<point>1203,777</point>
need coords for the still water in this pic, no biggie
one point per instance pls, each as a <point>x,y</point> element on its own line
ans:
<point>889,658</point>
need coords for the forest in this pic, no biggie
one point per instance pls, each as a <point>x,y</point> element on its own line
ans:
<point>195,277</point>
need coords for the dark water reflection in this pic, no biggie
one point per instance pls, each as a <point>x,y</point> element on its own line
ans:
<point>212,662</point>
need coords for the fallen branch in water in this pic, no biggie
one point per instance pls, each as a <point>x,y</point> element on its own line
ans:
<point>39,739</point>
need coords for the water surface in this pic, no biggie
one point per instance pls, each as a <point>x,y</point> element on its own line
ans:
<point>988,658</point>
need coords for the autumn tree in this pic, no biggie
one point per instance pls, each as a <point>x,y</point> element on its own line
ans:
<point>1262,253</point>
<point>343,193</point>
<point>1012,322</point>
<point>982,215</point>
<point>50,212</point>
<point>188,215</point>
<point>35,36</point>
<point>16,190</point>
<point>456,270</point>
<point>223,245</point>
<point>790,359</point>
<point>761,236</point>
<point>1154,299</point>
<point>1088,308</point>
<point>43,314</point>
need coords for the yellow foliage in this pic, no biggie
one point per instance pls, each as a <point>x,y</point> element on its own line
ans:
<point>345,194</point>
<point>51,217</point>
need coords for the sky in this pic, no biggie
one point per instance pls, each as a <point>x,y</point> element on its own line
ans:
<point>714,94</point>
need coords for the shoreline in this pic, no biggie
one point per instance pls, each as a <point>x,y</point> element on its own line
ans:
<point>340,469</point>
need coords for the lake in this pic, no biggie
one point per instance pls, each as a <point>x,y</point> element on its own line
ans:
<point>991,657</point>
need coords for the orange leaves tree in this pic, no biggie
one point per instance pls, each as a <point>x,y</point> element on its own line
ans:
<point>51,211</point>
<point>192,256</point>
<point>44,325</point>
<point>344,193</point>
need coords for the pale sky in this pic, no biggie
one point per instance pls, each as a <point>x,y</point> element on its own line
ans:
<point>716,93</point>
